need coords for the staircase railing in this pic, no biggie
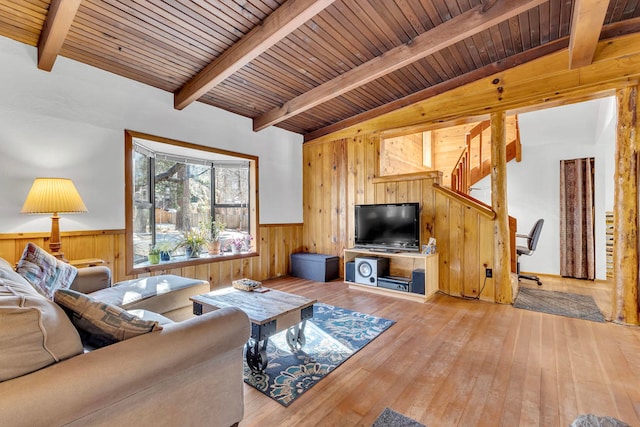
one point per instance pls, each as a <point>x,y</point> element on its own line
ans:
<point>471,167</point>
<point>459,181</point>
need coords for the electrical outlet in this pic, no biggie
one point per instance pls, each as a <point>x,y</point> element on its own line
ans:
<point>488,272</point>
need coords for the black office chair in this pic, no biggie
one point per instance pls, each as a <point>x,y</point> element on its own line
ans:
<point>532,242</point>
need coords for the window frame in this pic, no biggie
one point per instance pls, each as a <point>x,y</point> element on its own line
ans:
<point>129,150</point>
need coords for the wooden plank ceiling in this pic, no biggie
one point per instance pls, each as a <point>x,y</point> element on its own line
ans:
<point>311,66</point>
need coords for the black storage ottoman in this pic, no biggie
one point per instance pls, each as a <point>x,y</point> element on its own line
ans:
<point>317,267</point>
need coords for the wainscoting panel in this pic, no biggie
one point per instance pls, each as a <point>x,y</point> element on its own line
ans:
<point>277,242</point>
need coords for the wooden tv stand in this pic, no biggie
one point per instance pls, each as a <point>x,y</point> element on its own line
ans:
<point>400,264</point>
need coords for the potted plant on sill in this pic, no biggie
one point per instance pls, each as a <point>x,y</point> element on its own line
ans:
<point>165,248</point>
<point>239,244</point>
<point>154,255</point>
<point>192,241</point>
<point>217,227</point>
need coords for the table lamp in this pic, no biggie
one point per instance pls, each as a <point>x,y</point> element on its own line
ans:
<point>53,196</point>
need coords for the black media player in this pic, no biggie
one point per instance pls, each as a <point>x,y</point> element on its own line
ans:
<point>394,282</point>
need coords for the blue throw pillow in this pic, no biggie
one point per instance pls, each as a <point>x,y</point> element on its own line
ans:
<point>45,272</point>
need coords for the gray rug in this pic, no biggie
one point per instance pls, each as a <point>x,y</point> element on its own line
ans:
<point>559,303</point>
<point>590,420</point>
<point>391,418</point>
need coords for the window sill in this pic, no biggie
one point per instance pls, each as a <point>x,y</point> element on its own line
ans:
<point>183,261</point>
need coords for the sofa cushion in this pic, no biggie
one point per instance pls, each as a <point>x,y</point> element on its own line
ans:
<point>150,315</point>
<point>7,272</point>
<point>163,294</point>
<point>44,271</point>
<point>35,332</point>
<point>100,323</point>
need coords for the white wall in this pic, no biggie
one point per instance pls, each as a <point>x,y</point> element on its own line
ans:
<point>548,136</point>
<point>70,123</point>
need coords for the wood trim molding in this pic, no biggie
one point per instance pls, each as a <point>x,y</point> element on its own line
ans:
<point>391,133</point>
<point>407,177</point>
<point>190,262</point>
<point>46,234</point>
<point>287,224</point>
<point>468,201</point>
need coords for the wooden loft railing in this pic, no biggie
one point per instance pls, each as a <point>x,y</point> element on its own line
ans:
<point>474,162</point>
<point>467,168</point>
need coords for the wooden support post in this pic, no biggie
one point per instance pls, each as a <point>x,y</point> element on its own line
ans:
<point>625,222</point>
<point>501,247</point>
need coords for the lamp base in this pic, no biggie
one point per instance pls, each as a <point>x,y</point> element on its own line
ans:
<point>54,241</point>
<point>60,256</point>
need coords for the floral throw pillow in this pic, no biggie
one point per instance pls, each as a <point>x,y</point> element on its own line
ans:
<point>45,272</point>
<point>98,323</point>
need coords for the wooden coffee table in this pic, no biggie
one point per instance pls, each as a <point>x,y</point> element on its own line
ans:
<point>270,312</point>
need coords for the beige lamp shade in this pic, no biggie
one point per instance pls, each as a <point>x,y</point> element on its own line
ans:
<point>53,195</point>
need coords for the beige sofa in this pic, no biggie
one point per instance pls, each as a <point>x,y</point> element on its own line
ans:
<point>189,373</point>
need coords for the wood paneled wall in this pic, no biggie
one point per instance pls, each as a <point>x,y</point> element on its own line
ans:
<point>277,242</point>
<point>324,197</point>
<point>402,154</point>
<point>416,187</point>
<point>465,244</point>
<point>340,174</point>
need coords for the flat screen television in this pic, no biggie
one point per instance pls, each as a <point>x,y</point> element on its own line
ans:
<point>388,227</point>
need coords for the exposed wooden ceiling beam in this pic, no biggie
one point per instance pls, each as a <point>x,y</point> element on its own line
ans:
<point>56,26</point>
<point>471,76</point>
<point>544,82</point>
<point>586,24</point>
<point>444,35</point>
<point>609,31</point>
<point>275,27</point>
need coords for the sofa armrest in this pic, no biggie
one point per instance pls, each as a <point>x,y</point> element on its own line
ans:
<point>164,375</point>
<point>91,279</point>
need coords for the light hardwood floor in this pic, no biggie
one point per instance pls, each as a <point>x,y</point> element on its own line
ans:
<point>453,362</point>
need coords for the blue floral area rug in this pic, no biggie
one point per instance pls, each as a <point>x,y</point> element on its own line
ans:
<point>332,336</point>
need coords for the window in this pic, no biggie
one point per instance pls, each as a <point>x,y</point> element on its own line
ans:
<point>177,190</point>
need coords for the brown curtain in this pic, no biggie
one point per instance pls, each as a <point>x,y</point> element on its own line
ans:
<point>577,249</point>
